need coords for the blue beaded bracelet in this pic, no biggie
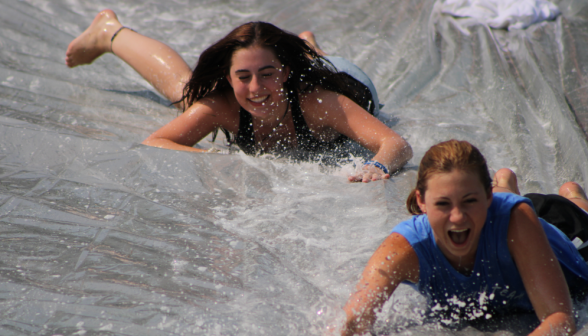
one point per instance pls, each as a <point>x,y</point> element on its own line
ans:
<point>379,165</point>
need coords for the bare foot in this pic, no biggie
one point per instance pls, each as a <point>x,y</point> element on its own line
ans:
<point>94,41</point>
<point>505,180</point>
<point>308,36</point>
<point>575,193</point>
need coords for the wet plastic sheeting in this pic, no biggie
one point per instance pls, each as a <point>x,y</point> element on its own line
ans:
<point>101,235</point>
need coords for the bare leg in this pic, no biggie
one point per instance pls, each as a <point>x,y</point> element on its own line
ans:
<point>575,193</point>
<point>308,36</point>
<point>505,180</point>
<point>160,65</point>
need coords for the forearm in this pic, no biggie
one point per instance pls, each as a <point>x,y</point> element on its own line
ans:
<point>556,324</point>
<point>393,153</point>
<point>360,311</point>
<point>168,144</point>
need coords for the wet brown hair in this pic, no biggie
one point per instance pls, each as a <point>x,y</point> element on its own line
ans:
<point>445,157</point>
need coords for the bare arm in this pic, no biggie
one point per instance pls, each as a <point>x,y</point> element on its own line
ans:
<point>340,113</point>
<point>393,262</point>
<point>194,124</point>
<point>535,259</point>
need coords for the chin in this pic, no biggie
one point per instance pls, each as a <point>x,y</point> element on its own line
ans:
<point>259,112</point>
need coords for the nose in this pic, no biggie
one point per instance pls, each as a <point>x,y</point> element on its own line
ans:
<point>255,84</point>
<point>457,215</point>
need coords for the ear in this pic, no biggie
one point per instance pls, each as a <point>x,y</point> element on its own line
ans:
<point>228,77</point>
<point>286,73</point>
<point>421,201</point>
<point>489,198</point>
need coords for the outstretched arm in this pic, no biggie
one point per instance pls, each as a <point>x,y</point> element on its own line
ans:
<point>197,122</point>
<point>393,262</point>
<point>340,113</point>
<point>535,259</point>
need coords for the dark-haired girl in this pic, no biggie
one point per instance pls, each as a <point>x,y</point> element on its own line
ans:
<point>269,90</point>
<point>476,249</point>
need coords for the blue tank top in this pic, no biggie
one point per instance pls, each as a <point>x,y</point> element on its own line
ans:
<point>495,286</point>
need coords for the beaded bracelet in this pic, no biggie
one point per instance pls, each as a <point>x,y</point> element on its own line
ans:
<point>378,165</point>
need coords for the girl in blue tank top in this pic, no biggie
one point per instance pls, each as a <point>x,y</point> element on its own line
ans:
<point>475,250</point>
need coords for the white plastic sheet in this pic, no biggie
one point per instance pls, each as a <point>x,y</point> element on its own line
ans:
<point>101,235</point>
<point>510,14</point>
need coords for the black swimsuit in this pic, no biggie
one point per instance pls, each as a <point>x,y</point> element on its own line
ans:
<point>308,146</point>
<point>245,138</point>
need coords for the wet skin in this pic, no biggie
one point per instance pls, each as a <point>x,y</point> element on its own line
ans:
<point>456,205</point>
<point>257,77</point>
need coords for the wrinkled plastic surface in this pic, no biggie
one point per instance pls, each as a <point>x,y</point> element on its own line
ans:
<point>100,235</point>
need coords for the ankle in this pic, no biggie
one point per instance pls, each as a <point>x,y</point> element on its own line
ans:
<point>116,34</point>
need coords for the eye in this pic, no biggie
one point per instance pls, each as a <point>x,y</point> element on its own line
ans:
<point>244,77</point>
<point>471,200</point>
<point>441,203</point>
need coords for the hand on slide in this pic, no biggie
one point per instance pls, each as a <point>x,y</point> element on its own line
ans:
<point>368,173</point>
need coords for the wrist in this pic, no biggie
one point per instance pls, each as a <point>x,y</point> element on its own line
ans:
<point>377,165</point>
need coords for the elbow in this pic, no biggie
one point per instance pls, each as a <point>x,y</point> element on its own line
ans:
<point>559,323</point>
<point>355,326</point>
<point>148,141</point>
<point>402,153</point>
<point>407,151</point>
<point>153,142</point>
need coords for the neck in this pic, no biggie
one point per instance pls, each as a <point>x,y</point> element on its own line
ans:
<point>464,265</point>
<point>273,119</point>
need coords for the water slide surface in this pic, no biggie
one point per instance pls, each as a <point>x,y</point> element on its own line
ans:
<point>100,235</point>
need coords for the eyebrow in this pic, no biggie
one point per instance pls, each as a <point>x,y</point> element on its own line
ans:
<point>464,196</point>
<point>260,69</point>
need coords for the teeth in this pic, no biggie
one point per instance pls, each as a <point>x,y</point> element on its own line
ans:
<point>459,236</point>
<point>258,99</point>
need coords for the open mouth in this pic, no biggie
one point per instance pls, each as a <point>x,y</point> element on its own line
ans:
<point>459,237</point>
<point>259,100</point>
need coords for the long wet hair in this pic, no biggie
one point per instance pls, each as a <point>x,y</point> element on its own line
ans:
<point>445,157</point>
<point>307,68</point>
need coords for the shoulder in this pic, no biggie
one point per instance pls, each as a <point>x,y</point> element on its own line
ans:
<point>523,220</point>
<point>414,229</point>
<point>219,102</point>
<point>499,217</point>
<point>503,203</point>
<point>396,251</point>
<point>322,106</point>
<point>222,109</point>
<point>315,96</point>
<point>318,97</point>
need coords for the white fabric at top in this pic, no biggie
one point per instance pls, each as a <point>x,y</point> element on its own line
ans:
<point>511,14</point>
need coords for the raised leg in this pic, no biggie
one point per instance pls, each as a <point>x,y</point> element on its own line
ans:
<point>505,180</point>
<point>160,65</point>
<point>308,36</point>
<point>575,193</point>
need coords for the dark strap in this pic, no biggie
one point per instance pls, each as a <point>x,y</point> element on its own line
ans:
<point>245,138</point>
<point>307,141</point>
<point>303,134</point>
